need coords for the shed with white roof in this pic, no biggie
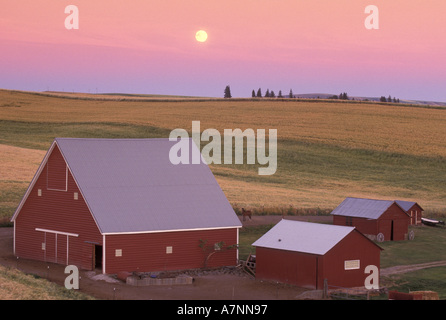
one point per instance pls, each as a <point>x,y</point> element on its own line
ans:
<point>305,254</point>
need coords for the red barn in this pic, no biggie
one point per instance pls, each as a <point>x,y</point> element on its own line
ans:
<point>381,220</point>
<point>413,209</point>
<point>305,254</point>
<point>121,205</point>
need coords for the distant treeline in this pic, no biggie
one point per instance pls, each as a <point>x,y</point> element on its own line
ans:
<point>341,96</point>
<point>270,94</point>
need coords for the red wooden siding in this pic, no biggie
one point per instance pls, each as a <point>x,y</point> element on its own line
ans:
<point>289,267</point>
<point>56,171</point>
<point>366,226</point>
<point>394,223</point>
<point>57,211</point>
<point>147,252</point>
<point>353,247</point>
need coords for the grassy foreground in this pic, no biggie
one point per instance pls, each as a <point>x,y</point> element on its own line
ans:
<point>16,285</point>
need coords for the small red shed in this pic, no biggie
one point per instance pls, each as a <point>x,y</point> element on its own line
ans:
<point>305,254</point>
<point>381,220</point>
<point>121,205</point>
<point>413,209</point>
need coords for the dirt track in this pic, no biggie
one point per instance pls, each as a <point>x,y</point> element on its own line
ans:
<point>412,267</point>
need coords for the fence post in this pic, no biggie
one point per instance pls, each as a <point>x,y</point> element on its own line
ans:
<point>325,293</point>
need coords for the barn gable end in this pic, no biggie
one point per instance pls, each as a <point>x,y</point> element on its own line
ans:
<point>53,222</point>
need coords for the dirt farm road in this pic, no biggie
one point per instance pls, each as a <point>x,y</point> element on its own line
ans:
<point>226,284</point>
<point>409,268</point>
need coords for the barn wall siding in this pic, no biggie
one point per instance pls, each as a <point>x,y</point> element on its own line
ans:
<point>58,211</point>
<point>366,226</point>
<point>395,218</point>
<point>56,171</point>
<point>289,267</point>
<point>147,252</point>
<point>353,247</point>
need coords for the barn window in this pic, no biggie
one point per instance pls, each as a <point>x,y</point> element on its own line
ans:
<point>169,250</point>
<point>118,253</point>
<point>43,245</point>
<point>76,196</point>
<point>39,192</point>
<point>351,264</point>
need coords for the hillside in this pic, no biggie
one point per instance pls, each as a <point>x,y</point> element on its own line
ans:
<point>372,99</point>
<point>326,150</point>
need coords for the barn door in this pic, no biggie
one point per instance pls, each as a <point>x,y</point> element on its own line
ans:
<point>391,231</point>
<point>97,256</point>
<point>50,247</point>
<point>62,249</point>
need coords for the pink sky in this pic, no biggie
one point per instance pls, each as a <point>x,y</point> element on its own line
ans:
<point>143,46</point>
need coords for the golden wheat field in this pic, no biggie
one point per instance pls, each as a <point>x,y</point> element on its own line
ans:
<point>410,130</point>
<point>326,150</point>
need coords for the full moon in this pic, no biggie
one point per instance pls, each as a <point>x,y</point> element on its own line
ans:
<point>201,36</point>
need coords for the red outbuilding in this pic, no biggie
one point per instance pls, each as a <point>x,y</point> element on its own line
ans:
<point>305,254</point>
<point>121,205</point>
<point>381,220</point>
<point>413,209</point>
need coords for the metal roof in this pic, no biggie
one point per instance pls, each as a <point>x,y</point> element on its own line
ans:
<point>131,186</point>
<point>363,208</point>
<point>406,205</point>
<point>307,237</point>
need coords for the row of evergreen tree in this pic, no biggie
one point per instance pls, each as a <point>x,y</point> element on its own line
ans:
<point>342,96</point>
<point>272,94</point>
<point>389,99</point>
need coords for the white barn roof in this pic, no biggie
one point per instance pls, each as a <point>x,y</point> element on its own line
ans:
<point>307,237</point>
<point>131,186</point>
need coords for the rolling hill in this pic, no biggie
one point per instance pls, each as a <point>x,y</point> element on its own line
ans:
<point>327,150</point>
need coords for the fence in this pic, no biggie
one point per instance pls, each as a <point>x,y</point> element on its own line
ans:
<point>342,293</point>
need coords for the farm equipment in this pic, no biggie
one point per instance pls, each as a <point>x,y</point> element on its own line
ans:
<point>432,222</point>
